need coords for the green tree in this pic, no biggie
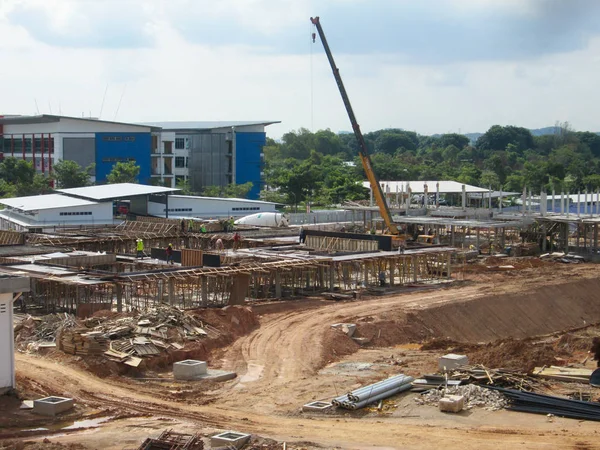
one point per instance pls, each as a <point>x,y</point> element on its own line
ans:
<point>458,140</point>
<point>390,142</point>
<point>69,174</point>
<point>498,138</point>
<point>16,171</point>
<point>230,191</point>
<point>489,179</point>
<point>124,172</point>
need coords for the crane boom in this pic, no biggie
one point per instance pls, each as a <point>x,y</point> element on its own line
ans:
<point>362,146</point>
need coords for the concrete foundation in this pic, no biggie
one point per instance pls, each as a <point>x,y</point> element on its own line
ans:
<point>452,361</point>
<point>452,403</point>
<point>51,406</point>
<point>317,407</point>
<point>229,438</point>
<point>189,369</point>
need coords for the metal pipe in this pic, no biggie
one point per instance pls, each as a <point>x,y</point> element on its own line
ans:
<point>359,394</point>
<point>380,389</point>
<point>370,387</point>
<point>382,396</point>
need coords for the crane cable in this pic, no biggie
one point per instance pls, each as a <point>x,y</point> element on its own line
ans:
<point>312,87</point>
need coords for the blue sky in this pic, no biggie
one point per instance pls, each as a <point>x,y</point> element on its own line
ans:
<point>434,66</point>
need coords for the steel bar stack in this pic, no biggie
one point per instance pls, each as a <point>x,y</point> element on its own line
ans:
<point>547,404</point>
<point>364,396</point>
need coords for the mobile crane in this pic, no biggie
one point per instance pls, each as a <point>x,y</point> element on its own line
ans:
<point>363,151</point>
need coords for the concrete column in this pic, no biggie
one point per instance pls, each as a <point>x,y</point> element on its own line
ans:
<point>553,195</point>
<point>425,197</point>
<point>543,204</point>
<point>464,197</point>
<point>477,241</point>
<point>366,278</point>
<point>437,195</point>
<point>585,202</point>
<point>277,285</point>
<point>524,200</point>
<point>490,199</point>
<point>171,291</point>
<point>449,265</point>
<point>503,238</point>
<point>578,205</point>
<point>204,283</point>
<point>452,235</point>
<point>392,270</point>
<point>408,199</point>
<point>119,295</point>
<point>370,196</point>
<point>567,204</point>
<point>562,203</point>
<point>595,235</point>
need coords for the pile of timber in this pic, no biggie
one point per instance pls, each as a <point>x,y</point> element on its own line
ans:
<point>82,342</point>
<point>557,373</point>
<point>480,374</point>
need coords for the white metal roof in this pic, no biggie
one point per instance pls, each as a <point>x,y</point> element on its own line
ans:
<point>115,191</point>
<point>236,200</point>
<point>193,125</point>
<point>418,187</point>
<point>50,118</point>
<point>49,201</point>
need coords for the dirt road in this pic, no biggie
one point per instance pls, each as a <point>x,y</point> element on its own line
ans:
<point>278,366</point>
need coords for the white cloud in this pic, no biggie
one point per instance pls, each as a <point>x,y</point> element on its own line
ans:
<point>179,80</point>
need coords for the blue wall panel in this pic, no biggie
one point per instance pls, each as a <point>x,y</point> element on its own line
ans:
<point>248,163</point>
<point>122,147</point>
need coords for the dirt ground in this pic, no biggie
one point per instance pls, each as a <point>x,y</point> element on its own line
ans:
<point>294,357</point>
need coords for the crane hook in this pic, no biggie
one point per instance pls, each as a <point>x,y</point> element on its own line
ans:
<point>314,36</point>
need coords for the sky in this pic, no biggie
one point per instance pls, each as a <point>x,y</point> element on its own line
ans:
<point>433,66</point>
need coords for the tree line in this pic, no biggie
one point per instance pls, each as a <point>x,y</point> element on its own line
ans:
<point>324,168</point>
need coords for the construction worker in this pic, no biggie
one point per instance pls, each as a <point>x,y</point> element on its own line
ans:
<point>219,244</point>
<point>169,252</point>
<point>302,235</point>
<point>202,229</point>
<point>182,226</point>
<point>139,248</point>
<point>190,226</point>
<point>231,223</point>
<point>596,350</point>
<point>236,241</point>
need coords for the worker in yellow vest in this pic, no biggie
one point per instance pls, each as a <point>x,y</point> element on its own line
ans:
<point>139,248</point>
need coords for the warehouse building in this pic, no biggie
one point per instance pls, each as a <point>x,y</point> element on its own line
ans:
<point>47,139</point>
<point>217,153</point>
<point>206,207</point>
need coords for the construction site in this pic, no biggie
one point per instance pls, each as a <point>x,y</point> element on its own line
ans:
<point>405,325</point>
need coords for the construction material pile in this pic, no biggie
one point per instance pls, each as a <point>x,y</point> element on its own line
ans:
<point>121,338</point>
<point>497,377</point>
<point>547,404</point>
<point>475,396</point>
<point>33,332</point>
<point>364,396</point>
<point>563,258</point>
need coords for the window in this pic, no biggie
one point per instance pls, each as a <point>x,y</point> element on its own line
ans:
<point>252,208</point>
<point>180,161</point>
<point>76,213</point>
<point>179,209</point>
<point>187,160</point>
<point>179,143</point>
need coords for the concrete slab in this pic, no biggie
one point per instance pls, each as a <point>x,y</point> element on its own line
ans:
<point>230,438</point>
<point>189,369</point>
<point>51,406</point>
<point>317,407</point>
<point>452,361</point>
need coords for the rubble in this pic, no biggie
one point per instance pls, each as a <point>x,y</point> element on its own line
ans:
<point>120,338</point>
<point>474,396</point>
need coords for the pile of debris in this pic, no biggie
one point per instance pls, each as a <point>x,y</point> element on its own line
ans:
<point>35,332</point>
<point>497,377</point>
<point>474,396</point>
<point>563,258</point>
<point>171,440</point>
<point>125,339</point>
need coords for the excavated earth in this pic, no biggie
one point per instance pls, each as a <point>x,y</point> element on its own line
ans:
<point>294,357</point>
